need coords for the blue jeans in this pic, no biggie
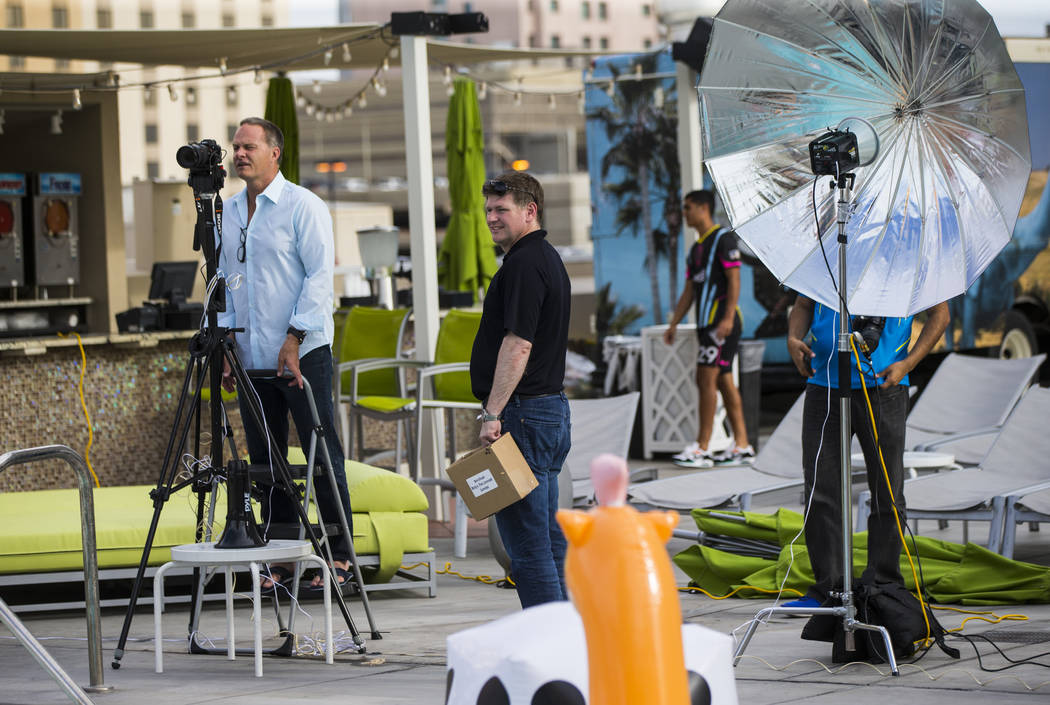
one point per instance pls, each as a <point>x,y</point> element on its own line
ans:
<point>534,541</point>
<point>277,400</point>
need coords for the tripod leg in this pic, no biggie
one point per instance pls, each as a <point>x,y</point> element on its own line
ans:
<point>169,467</point>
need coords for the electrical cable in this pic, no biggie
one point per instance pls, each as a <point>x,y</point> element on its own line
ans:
<point>83,406</point>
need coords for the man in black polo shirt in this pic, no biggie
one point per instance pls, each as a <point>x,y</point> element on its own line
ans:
<point>516,370</point>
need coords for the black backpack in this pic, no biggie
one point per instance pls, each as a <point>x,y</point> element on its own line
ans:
<point>888,605</point>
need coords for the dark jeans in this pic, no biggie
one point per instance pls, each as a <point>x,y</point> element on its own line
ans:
<point>277,400</point>
<point>530,533</point>
<point>820,458</point>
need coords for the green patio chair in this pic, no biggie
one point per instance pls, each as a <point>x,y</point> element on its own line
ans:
<point>368,335</point>
<point>442,383</point>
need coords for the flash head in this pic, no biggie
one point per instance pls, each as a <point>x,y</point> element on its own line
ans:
<point>833,153</point>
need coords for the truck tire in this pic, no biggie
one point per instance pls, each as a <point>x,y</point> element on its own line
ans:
<point>1019,339</point>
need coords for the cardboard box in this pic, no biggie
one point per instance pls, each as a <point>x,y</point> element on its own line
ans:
<point>492,478</point>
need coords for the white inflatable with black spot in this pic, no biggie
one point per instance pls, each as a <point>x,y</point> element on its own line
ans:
<point>539,657</point>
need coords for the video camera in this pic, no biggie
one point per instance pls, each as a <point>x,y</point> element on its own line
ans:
<point>204,160</point>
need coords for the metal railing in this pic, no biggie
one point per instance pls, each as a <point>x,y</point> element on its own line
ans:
<point>91,597</point>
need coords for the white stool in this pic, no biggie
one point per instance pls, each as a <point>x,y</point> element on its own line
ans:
<point>205,554</point>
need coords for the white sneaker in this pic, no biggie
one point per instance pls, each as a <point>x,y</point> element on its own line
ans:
<point>736,456</point>
<point>700,458</point>
<point>687,453</point>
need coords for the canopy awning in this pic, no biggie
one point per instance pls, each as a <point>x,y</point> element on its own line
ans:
<point>283,49</point>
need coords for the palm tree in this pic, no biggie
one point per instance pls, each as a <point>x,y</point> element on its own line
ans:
<point>641,132</point>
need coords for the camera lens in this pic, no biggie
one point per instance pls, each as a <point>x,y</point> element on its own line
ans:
<point>191,156</point>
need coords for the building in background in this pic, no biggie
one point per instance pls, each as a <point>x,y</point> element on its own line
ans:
<point>155,121</point>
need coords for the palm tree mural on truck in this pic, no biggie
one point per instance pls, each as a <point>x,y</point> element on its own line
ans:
<point>641,127</point>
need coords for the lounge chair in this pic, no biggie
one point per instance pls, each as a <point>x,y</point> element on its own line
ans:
<point>1031,506</point>
<point>946,418</point>
<point>1015,464</point>
<point>777,466</point>
<point>598,426</point>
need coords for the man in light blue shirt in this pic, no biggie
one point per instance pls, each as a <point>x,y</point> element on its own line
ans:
<point>277,254</point>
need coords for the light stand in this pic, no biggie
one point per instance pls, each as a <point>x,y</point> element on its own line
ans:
<point>830,149</point>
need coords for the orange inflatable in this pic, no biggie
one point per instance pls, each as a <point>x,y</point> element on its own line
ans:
<point>621,582</point>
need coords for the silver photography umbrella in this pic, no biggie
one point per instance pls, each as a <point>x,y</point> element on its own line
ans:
<point>934,79</point>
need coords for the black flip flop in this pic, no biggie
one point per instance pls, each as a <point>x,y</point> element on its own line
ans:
<point>277,575</point>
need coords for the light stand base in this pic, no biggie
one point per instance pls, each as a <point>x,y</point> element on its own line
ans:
<point>849,624</point>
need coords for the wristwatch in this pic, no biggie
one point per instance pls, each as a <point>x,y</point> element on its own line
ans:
<point>485,416</point>
<point>300,335</point>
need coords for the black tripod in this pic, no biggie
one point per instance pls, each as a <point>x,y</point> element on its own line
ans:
<point>209,349</point>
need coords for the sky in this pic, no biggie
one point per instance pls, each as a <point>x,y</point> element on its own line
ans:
<point>1014,18</point>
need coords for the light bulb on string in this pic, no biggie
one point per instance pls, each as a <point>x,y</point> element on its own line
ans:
<point>258,76</point>
<point>327,56</point>
<point>483,90</point>
<point>77,105</point>
<point>300,99</point>
<point>346,53</point>
<point>386,64</point>
<point>610,89</point>
<point>317,87</point>
<point>362,100</point>
<point>348,110</point>
<point>222,66</point>
<point>381,89</point>
<point>450,90</point>
<point>56,123</point>
<point>172,93</point>
<point>231,94</point>
<point>329,116</point>
<point>517,99</point>
<point>448,75</point>
<point>551,103</point>
<point>147,92</point>
<point>310,109</point>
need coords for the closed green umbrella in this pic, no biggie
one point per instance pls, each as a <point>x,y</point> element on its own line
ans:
<point>280,110</point>
<point>466,261</point>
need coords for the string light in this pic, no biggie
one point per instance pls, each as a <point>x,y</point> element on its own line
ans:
<point>222,65</point>
<point>310,109</point>
<point>517,99</point>
<point>1,121</point>
<point>56,123</point>
<point>450,90</point>
<point>346,53</point>
<point>300,99</point>
<point>448,75</point>
<point>112,79</point>
<point>147,92</point>
<point>172,93</point>
<point>551,104</point>
<point>386,64</point>
<point>483,90</point>
<point>231,94</point>
<point>610,89</point>
<point>77,105</point>
<point>381,89</point>
<point>327,56</point>
<point>317,87</point>
<point>348,110</point>
<point>258,76</point>
<point>191,96</point>
<point>362,100</point>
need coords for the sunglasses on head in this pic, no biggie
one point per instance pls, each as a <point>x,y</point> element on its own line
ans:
<point>500,188</point>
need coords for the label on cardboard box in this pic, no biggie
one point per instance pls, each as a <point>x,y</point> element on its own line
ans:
<point>482,482</point>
